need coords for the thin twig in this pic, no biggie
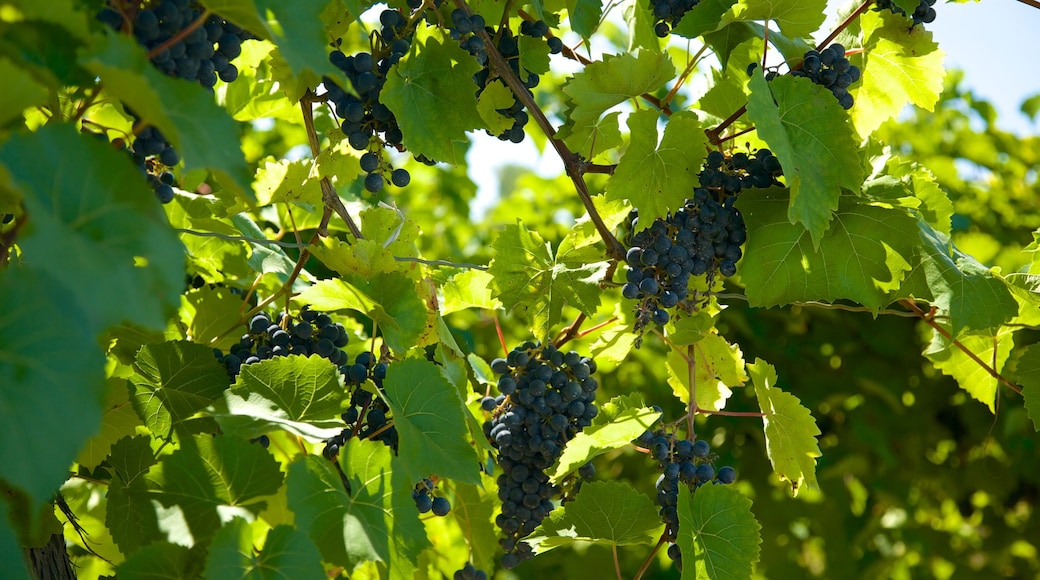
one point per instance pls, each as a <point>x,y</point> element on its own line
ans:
<point>182,34</point>
<point>328,194</point>
<point>571,161</point>
<point>691,376</point>
<point>570,332</point>
<point>617,565</point>
<point>230,238</point>
<point>649,558</point>
<point>930,321</point>
<point>827,306</point>
<point>462,265</point>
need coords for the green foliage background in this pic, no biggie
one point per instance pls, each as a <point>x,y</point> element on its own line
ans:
<point>105,350</point>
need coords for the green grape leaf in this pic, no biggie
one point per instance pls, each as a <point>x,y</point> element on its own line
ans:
<point>284,181</point>
<point>21,92</point>
<point>862,257</point>
<point>173,381</point>
<point>129,514</point>
<point>718,535</point>
<point>496,95</point>
<point>208,312</point>
<point>902,65</point>
<point>603,84</point>
<point>369,516</point>
<point>53,377</point>
<point>608,513</point>
<point>202,132</point>
<point>428,415</point>
<point>614,343</point>
<point>299,394</point>
<point>956,283</point>
<point>593,139</point>
<point>136,275</point>
<point>705,16</point>
<point>534,54</point>
<point>287,553</point>
<point>469,289</point>
<point>300,35</point>
<point>811,135</point>
<point>527,275</point>
<point>582,244</point>
<point>435,75</point>
<point>159,561</point>
<point>474,510</point>
<point>209,473</point>
<point>796,18</point>
<point>584,16</point>
<point>11,549</point>
<point>718,366</point>
<point>790,429</point>
<point>658,177</point>
<point>1028,375</point>
<point>389,299</point>
<point>598,439</point>
<point>119,420</point>
<point>993,346</point>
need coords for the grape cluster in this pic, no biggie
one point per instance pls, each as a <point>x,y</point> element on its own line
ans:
<point>364,116</point>
<point>701,238</point>
<point>667,14</point>
<point>924,13</point>
<point>830,69</point>
<point>464,29</point>
<point>682,463</point>
<point>367,416</point>
<point>426,502</point>
<point>730,175</point>
<point>204,55</point>
<point>547,397</point>
<point>314,333</point>
<point>469,572</point>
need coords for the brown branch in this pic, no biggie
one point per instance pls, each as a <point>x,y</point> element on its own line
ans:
<point>182,34</point>
<point>1032,3</point>
<point>572,162</point>
<point>328,194</point>
<point>930,321</point>
<point>570,332</point>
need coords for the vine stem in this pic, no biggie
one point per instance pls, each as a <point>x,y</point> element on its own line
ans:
<point>691,371</point>
<point>180,35</point>
<point>570,332</point>
<point>713,134</point>
<point>930,321</point>
<point>649,558</point>
<point>573,163</point>
<point>617,565</point>
<point>328,194</point>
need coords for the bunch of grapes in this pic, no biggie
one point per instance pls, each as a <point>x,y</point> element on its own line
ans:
<point>730,175</point>
<point>683,463</point>
<point>367,416</point>
<point>701,238</point>
<point>464,28</point>
<point>204,55</point>
<point>426,502</point>
<point>923,13</point>
<point>364,116</point>
<point>547,398</point>
<point>830,69</point>
<point>667,14</point>
<point>314,333</point>
<point>469,572</point>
